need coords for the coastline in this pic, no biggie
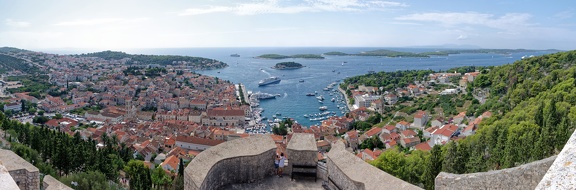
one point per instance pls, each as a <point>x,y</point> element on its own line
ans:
<point>350,107</point>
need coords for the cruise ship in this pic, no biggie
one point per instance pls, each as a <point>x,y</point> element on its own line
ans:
<point>268,81</point>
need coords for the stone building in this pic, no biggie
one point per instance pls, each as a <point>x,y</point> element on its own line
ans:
<point>24,174</point>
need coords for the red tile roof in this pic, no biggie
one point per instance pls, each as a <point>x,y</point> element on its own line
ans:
<point>409,133</point>
<point>423,146</point>
<point>373,131</point>
<point>196,140</point>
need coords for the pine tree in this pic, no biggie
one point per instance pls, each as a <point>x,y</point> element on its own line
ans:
<point>433,167</point>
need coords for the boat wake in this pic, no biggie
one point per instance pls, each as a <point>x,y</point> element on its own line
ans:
<point>285,94</point>
<point>264,71</point>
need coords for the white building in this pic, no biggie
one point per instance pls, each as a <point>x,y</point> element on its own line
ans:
<point>14,107</point>
<point>195,143</point>
<point>364,100</point>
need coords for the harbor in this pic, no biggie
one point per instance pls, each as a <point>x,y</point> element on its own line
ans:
<point>293,101</point>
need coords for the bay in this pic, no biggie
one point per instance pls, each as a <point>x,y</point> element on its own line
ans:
<point>293,102</point>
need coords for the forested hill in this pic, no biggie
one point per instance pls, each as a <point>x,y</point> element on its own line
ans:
<point>194,62</point>
<point>9,63</point>
<point>534,113</point>
<point>12,50</point>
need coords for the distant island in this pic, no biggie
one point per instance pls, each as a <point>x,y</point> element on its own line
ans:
<point>198,63</point>
<point>277,56</point>
<point>391,53</point>
<point>287,65</point>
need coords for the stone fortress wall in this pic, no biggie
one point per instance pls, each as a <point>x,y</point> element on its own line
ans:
<point>237,161</point>
<point>346,171</point>
<point>301,150</point>
<point>250,159</point>
<point>526,176</point>
<point>23,173</point>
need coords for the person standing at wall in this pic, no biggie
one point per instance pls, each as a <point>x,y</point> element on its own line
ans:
<point>276,164</point>
<point>281,163</point>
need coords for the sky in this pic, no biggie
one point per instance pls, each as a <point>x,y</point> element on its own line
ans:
<point>109,24</point>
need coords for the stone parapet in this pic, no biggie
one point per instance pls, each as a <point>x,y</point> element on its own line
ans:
<point>522,177</point>
<point>301,150</point>
<point>24,174</point>
<point>561,175</point>
<point>346,171</point>
<point>51,183</point>
<point>238,161</point>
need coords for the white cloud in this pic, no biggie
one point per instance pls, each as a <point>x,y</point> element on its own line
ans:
<point>99,21</point>
<point>508,21</point>
<point>14,23</point>
<point>564,15</point>
<point>274,6</point>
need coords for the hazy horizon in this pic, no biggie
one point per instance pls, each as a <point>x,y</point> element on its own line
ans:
<point>68,24</point>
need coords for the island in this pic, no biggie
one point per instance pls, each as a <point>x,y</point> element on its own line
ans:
<point>277,56</point>
<point>287,65</point>
<point>444,52</point>
<point>337,53</point>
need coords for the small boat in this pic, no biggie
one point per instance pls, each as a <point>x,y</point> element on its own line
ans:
<point>278,113</point>
<point>301,80</point>
<point>310,94</point>
<point>333,99</point>
<point>322,108</point>
<point>320,101</point>
<point>333,70</point>
<point>306,115</point>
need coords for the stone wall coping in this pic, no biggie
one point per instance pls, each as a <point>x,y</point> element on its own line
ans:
<point>200,166</point>
<point>525,176</point>
<point>361,172</point>
<point>561,175</point>
<point>302,141</point>
<point>6,181</point>
<point>492,172</point>
<point>53,184</point>
<point>14,162</point>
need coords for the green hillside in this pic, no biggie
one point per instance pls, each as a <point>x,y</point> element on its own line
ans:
<point>533,102</point>
<point>196,62</point>
<point>9,63</point>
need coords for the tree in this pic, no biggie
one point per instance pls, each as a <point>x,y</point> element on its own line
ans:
<point>57,116</point>
<point>433,167</point>
<point>371,143</point>
<point>178,183</point>
<point>87,180</point>
<point>159,178</point>
<point>139,175</point>
<point>40,119</point>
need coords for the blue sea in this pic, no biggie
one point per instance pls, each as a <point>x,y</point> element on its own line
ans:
<point>317,74</point>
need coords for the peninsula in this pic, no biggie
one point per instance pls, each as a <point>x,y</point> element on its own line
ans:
<point>277,56</point>
<point>197,63</point>
<point>287,65</point>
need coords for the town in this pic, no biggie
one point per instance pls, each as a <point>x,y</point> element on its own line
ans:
<point>174,113</point>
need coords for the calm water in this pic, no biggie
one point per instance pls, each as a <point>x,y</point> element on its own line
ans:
<point>318,73</point>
